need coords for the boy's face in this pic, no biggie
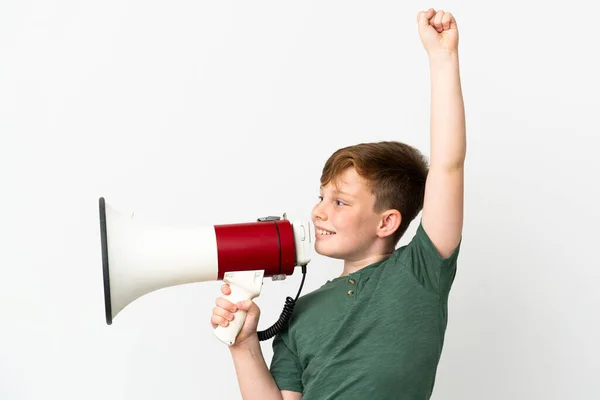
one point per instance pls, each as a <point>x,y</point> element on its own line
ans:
<point>346,212</point>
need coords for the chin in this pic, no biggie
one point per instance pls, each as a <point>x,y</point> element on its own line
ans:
<point>328,251</point>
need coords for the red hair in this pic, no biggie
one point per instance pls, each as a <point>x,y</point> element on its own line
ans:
<point>395,172</point>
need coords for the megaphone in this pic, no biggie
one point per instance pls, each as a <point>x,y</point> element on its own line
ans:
<point>139,258</point>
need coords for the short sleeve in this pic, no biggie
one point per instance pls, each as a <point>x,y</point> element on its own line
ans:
<point>285,367</point>
<point>427,265</point>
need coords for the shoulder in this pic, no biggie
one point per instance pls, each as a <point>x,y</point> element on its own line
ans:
<point>421,248</point>
<point>420,258</point>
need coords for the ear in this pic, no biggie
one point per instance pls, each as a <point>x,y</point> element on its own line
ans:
<point>389,223</point>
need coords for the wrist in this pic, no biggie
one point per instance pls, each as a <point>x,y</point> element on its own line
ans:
<point>443,56</point>
<point>248,345</point>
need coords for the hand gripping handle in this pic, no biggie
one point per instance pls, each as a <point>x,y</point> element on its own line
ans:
<point>245,285</point>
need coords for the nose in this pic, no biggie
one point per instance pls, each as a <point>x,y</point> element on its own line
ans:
<point>319,212</point>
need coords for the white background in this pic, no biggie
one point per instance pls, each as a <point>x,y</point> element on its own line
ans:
<point>198,112</point>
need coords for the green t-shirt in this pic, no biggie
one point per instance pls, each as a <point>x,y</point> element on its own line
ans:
<point>374,334</point>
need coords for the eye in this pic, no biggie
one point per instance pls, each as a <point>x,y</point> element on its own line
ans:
<point>320,198</point>
<point>340,203</point>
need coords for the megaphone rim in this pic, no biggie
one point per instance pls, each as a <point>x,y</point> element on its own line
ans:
<point>105,269</point>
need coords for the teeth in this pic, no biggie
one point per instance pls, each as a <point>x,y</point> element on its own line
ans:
<point>322,232</point>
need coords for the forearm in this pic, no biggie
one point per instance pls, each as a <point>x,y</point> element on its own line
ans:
<point>448,131</point>
<point>254,378</point>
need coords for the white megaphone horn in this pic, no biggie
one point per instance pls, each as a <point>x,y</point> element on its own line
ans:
<point>140,258</point>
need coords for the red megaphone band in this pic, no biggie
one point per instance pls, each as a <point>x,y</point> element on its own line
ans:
<point>265,245</point>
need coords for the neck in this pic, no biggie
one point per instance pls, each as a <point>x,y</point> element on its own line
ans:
<point>377,251</point>
<point>351,266</point>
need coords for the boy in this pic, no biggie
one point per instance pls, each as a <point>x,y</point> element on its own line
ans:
<point>377,331</point>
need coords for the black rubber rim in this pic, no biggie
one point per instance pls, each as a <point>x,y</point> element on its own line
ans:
<point>103,238</point>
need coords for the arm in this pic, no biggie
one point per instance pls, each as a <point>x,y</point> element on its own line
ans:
<point>254,378</point>
<point>443,204</point>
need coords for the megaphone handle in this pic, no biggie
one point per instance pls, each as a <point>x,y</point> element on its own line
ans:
<point>227,334</point>
<point>245,285</point>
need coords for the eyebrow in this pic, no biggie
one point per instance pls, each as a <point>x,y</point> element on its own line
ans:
<point>340,192</point>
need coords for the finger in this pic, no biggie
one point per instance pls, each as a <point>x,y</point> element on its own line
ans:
<point>216,320</point>
<point>437,20</point>
<point>430,12</point>
<point>226,304</point>
<point>250,307</point>
<point>453,23</point>
<point>446,20</point>
<point>226,289</point>
<point>221,312</point>
<point>423,17</point>
<point>244,305</point>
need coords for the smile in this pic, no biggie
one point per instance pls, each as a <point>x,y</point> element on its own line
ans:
<point>323,232</point>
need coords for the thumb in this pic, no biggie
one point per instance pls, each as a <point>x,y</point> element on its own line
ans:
<point>250,307</point>
<point>423,18</point>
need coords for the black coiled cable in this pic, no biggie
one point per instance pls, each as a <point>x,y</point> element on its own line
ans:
<point>285,316</point>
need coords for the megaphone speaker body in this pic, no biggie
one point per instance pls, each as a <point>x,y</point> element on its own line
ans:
<point>139,258</point>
